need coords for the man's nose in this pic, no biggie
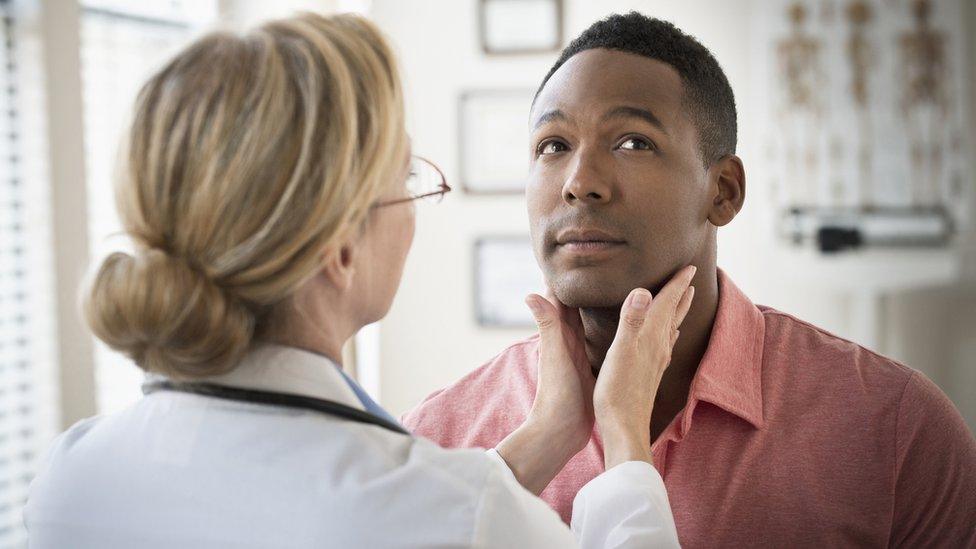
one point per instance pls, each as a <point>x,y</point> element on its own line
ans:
<point>587,183</point>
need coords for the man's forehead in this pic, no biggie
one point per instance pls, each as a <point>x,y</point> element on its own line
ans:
<point>601,79</point>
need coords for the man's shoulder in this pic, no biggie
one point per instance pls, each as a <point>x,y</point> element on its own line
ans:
<point>485,404</point>
<point>815,361</point>
<point>818,374</point>
<point>807,341</point>
<point>516,363</point>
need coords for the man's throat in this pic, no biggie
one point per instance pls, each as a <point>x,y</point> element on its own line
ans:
<point>599,327</point>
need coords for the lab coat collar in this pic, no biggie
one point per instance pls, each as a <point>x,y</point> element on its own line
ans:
<point>282,369</point>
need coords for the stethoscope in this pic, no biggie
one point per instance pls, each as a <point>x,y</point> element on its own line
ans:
<point>270,398</point>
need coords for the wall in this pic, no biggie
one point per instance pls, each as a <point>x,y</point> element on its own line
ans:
<point>430,337</point>
<point>934,329</point>
<point>243,14</point>
<point>66,162</point>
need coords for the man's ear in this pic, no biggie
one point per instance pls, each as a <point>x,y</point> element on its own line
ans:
<point>338,266</point>
<point>728,178</point>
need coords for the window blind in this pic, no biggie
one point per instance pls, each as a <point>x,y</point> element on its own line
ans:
<point>122,44</point>
<point>28,413</point>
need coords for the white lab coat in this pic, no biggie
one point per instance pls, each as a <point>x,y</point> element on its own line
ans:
<point>182,470</point>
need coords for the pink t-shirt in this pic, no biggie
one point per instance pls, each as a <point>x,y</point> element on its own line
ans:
<point>791,437</point>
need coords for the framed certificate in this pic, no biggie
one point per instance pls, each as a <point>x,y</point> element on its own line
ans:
<point>521,26</point>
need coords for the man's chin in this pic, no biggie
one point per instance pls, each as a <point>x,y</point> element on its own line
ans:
<point>578,292</point>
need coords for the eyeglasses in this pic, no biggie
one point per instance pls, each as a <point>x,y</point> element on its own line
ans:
<point>426,182</point>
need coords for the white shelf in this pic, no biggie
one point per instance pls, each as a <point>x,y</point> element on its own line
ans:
<point>872,271</point>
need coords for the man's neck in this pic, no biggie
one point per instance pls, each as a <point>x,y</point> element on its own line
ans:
<point>600,326</point>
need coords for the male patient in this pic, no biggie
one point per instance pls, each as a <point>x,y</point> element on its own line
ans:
<point>767,430</point>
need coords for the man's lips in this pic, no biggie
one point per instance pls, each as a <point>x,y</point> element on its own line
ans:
<point>587,242</point>
<point>585,237</point>
<point>589,246</point>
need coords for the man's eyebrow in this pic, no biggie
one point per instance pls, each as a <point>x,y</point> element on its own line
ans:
<point>549,116</point>
<point>635,112</point>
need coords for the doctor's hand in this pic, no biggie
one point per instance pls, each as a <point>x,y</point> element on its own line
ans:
<point>624,395</point>
<point>564,390</point>
<point>560,422</point>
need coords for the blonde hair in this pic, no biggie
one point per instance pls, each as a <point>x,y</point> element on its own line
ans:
<point>247,156</point>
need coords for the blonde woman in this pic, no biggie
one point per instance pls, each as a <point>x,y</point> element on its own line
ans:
<point>268,188</point>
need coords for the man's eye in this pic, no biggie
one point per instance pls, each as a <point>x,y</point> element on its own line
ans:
<point>551,147</point>
<point>636,144</point>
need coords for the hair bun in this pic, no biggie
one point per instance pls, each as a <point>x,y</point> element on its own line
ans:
<point>167,316</point>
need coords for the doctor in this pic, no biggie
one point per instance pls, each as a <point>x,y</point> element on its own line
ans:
<point>268,188</point>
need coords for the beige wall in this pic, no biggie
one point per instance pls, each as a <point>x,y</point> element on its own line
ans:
<point>248,13</point>
<point>430,337</point>
<point>66,162</point>
<point>934,329</point>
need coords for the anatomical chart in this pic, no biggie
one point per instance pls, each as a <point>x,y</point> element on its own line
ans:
<point>865,105</point>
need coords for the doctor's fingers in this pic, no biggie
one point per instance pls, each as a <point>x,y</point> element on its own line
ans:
<point>546,314</point>
<point>555,338</point>
<point>655,319</point>
<point>569,315</point>
<point>671,304</point>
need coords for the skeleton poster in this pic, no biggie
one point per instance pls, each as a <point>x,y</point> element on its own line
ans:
<point>864,104</point>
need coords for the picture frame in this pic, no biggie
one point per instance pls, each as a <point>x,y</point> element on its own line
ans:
<point>505,271</point>
<point>492,140</point>
<point>515,27</point>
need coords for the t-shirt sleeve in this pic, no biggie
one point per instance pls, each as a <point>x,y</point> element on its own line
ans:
<point>412,419</point>
<point>935,471</point>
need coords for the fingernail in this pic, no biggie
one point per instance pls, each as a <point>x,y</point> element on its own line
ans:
<point>641,300</point>
<point>534,306</point>
<point>693,270</point>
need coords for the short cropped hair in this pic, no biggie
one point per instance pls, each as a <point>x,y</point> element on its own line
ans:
<point>708,96</point>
